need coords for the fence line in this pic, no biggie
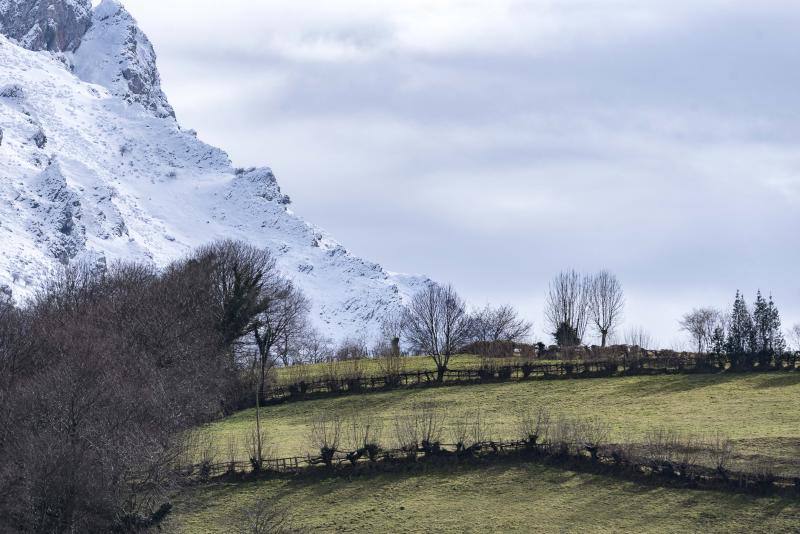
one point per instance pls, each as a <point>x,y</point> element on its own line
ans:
<point>567,453</point>
<point>675,364</point>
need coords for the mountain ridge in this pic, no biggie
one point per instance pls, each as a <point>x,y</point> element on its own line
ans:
<point>94,167</point>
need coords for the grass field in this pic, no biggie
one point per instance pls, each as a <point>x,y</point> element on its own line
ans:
<point>374,367</point>
<point>760,411</point>
<point>525,498</point>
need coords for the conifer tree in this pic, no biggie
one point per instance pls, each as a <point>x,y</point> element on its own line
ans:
<point>778,342</point>
<point>740,328</point>
<point>762,324</point>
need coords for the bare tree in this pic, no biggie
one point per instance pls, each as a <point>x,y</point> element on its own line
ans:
<point>532,426</point>
<point>606,303</point>
<point>315,347</point>
<point>326,435</point>
<point>794,336</point>
<point>470,431</point>
<point>437,324</point>
<point>421,428</point>
<point>392,328</point>
<point>499,324</point>
<point>700,324</point>
<point>567,307</point>
<point>638,336</point>
<point>284,313</point>
<point>100,378</point>
<point>352,349</point>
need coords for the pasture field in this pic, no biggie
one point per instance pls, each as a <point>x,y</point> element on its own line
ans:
<point>374,367</point>
<point>500,498</point>
<point>760,411</point>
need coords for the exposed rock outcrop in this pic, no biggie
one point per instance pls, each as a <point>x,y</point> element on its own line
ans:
<point>54,25</point>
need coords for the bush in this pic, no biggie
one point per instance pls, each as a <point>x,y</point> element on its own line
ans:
<point>421,429</point>
<point>326,433</point>
<point>533,427</point>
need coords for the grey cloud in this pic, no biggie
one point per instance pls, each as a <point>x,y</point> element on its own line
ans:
<point>663,146</point>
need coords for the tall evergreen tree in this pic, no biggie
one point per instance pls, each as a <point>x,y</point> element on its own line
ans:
<point>778,342</point>
<point>740,328</point>
<point>762,324</point>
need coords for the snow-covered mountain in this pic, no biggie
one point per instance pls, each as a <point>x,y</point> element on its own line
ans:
<point>94,167</point>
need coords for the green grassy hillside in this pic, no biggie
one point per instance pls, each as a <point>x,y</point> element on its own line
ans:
<point>376,367</point>
<point>760,411</point>
<point>524,498</point>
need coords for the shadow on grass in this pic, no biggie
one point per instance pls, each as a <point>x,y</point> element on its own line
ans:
<point>584,491</point>
<point>780,381</point>
<point>665,384</point>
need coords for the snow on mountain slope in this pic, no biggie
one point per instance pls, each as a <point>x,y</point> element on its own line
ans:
<point>102,171</point>
<point>116,54</point>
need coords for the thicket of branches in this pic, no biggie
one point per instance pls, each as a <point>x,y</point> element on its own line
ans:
<point>102,372</point>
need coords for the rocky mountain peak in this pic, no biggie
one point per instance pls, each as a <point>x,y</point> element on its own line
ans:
<point>116,54</point>
<point>54,25</point>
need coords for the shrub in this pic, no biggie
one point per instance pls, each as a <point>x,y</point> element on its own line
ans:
<point>469,433</point>
<point>721,450</point>
<point>326,433</point>
<point>421,429</point>
<point>363,437</point>
<point>533,426</point>
<point>263,517</point>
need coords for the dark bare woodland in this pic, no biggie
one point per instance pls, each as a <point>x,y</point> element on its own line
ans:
<point>104,370</point>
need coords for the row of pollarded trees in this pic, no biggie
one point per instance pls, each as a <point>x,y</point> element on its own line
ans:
<point>741,330</point>
<point>577,302</point>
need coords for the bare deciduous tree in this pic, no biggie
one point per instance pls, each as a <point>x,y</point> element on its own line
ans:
<point>606,303</point>
<point>794,336</point>
<point>532,426</point>
<point>700,324</point>
<point>437,324</point>
<point>566,307</point>
<point>470,431</point>
<point>421,428</point>
<point>101,375</point>
<point>392,328</point>
<point>315,347</point>
<point>283,313</point>
<point>638,336</point>
<point>326,435</point>
<point>499,324</point>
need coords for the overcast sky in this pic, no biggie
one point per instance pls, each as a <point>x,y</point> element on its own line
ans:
<point>491,143</point>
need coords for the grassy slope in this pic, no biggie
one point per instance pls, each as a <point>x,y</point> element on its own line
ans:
<point>762,411</point>
<point>374,367</point>
<point>523,498</point>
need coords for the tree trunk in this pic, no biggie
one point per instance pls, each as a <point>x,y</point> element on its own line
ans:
<point>603,335</point>
<point>440,370</point>
<point>262,381</point>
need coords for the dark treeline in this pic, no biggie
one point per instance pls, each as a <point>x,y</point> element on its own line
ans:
<point>742,338</point>
<point>102,372</point>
